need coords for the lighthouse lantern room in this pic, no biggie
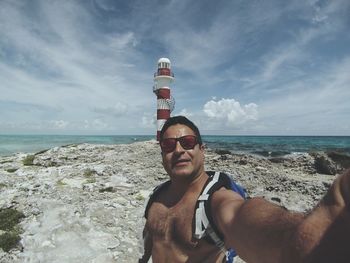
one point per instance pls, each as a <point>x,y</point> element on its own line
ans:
<point>165,102</point>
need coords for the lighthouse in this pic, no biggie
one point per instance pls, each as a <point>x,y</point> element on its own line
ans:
<point>165,102</point>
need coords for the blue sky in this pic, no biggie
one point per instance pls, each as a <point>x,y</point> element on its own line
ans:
<point>241,67</point>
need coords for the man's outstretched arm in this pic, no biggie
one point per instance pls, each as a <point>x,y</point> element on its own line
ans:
<point>324,236</point>
<point>263,232</point>
<point>256,228</point>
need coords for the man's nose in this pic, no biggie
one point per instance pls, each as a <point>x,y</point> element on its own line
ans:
<point>178,148</point>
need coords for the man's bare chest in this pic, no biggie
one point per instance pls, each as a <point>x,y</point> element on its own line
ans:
<point>172,224</point>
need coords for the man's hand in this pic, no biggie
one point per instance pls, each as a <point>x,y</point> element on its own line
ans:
<point>324,236</point>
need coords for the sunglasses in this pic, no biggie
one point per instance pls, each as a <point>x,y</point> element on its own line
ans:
<point>187,142</point>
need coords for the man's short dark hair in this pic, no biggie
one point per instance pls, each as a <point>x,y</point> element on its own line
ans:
<point>181,120</point>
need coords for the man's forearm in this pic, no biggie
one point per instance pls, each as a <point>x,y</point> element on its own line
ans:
<point>324,235</point>
<point>261,231</point>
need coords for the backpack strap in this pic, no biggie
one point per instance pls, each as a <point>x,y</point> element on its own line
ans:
<point>154,194</point>
<point>204,225</point>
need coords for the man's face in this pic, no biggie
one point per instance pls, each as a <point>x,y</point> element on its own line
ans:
<point>181,163</point>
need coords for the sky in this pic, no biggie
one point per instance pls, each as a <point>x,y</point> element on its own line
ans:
<point>242,67</point>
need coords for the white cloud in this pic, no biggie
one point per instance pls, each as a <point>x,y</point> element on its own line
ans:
<point>230,112</point>
<point>122,41</point>
<point>313,106</point>
<point>149,122</point>
<point>186,113</point>
<point>99,124</point>
<point>105,5</point>
<point>95,124</point>
<point>59,124</point>
<point>119,109</point>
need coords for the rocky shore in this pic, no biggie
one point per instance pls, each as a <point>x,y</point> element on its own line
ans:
<point>85,203</point>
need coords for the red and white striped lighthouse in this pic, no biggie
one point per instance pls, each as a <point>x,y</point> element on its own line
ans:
<point>165,102</point>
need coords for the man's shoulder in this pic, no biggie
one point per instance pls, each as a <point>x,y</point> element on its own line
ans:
<point>218,180</point>
<point>160,188</point>
<point>223,194</point>
<point>155,195</point>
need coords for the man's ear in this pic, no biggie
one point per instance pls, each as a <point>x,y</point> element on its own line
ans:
<point>202,149</point>
<point>161,153</point>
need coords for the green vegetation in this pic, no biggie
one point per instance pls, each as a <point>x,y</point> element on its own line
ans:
<point>89,172</point>
<point>70,145</point>
<point>28,160</point>
<point>139,197</point>
<point>222,151</point>
<point>5,161</point>
<point>11,170</point>
<point>51,164</point>
<point>9,240</point>
<point>91,180</point>
<point>107,189</point>
<point>60,183</point>
<point>9,219</point>
<point>2,185</point>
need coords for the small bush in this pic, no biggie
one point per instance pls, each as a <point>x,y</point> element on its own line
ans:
<point>9,217</point>
<point>107,189</point>
<point>28,160</point>
<point>140,197</point>
<point>60,183</point>
<point>11,170</point>
<point>89,172</point>
<point>51,164</point>
<point>222,151</point>
<point>91,180</point>
<point>5,161</point>
<point>9,240</point>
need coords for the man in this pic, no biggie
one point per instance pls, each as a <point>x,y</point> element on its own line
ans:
<point>258,230</point>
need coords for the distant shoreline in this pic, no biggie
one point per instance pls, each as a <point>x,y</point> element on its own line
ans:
<point>267,146</point>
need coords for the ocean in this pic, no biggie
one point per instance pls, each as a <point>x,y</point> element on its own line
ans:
<point>10,144</point>
<point>260,145</point>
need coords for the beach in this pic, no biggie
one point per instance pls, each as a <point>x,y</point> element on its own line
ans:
<point>85,202</point>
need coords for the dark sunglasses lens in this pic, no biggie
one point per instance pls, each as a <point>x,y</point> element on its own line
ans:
<point>188,142</point>
<point>168,145</point>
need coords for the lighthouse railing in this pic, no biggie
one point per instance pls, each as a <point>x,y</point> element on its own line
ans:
<point>164,73</point>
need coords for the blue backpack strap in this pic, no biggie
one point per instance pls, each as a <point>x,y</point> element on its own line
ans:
<point>204,225</point>
<point>154,194</point>
<point>230,255</point>
<point>239,189</point>
<point>224,181</point>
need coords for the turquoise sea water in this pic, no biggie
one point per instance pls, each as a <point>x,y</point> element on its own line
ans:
<point>262,145</point>
<point>10,144</point>
<point>279,145</point>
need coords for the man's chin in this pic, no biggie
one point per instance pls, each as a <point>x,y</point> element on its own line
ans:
<point>182,172</point>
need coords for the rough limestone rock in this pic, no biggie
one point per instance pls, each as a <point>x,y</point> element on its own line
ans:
<point>324,164</point>
<point>342,160</point>
<point>85,203</point>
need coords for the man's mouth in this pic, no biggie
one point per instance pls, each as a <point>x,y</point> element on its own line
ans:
<point>181,162</point>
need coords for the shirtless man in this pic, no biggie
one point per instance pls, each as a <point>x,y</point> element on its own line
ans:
<point>258,230</point>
